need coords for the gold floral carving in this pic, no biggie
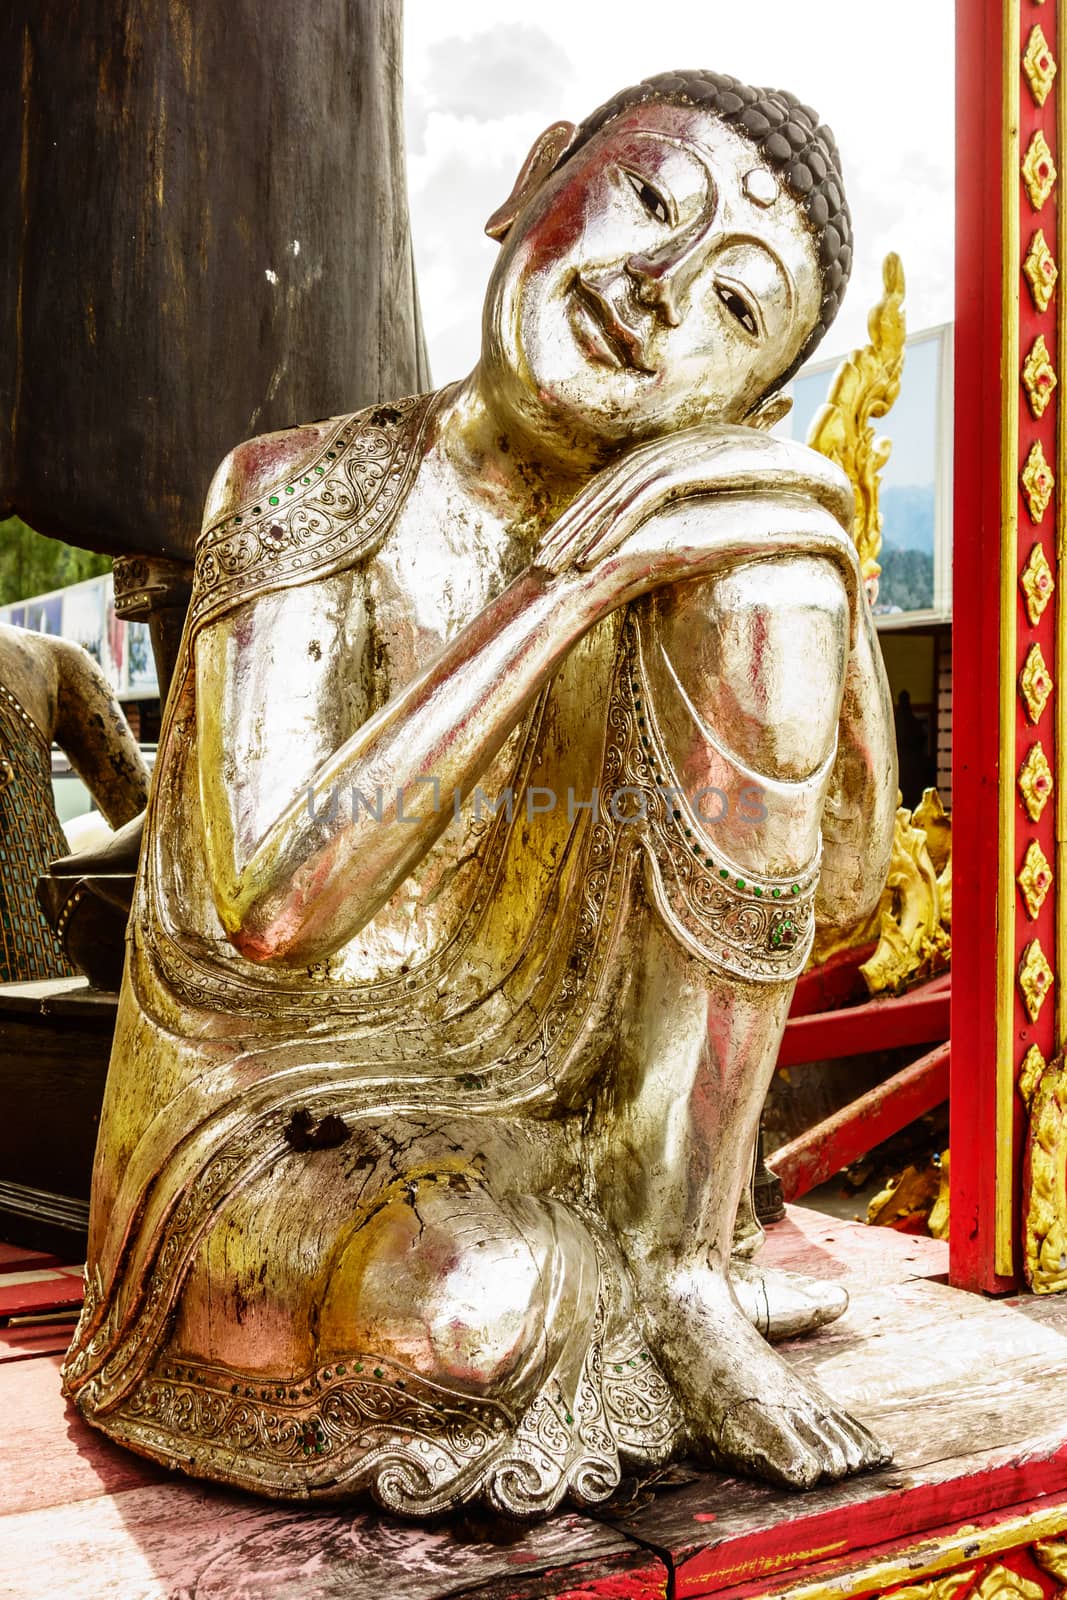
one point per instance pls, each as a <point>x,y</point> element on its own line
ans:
<point>998,1582</point>
<point>1035,781</point>
<point>1035,878</point>
<point>1037,583</point>
<point>1039,376</point>
<point>1039,64</point>
<point>1051,1557</point>
<point>1035,683</point>
<point>1035,979</point>
<point>1041,271</point>
<point>1039,170</point>
<point>914,917</point>
<point>1032,1066</point>
<point>865,386</point>
<point>1045,1184</point>
<point>1038,482</point>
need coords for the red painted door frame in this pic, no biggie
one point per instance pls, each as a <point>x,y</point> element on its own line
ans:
<point>996,527</point>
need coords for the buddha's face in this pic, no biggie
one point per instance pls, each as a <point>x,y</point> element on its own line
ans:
<point>662,276</point>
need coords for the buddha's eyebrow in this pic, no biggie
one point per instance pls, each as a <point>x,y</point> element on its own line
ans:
<point>768,251</point>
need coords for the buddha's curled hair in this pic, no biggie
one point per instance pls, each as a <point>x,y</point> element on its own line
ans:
<point>790,139</point>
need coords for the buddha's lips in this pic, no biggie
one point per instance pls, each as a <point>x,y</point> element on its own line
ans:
<point>621,339</point>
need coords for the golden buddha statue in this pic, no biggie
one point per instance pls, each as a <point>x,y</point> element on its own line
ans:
<point>520,734</point>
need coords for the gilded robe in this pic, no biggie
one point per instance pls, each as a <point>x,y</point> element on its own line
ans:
<point>499,1025</point>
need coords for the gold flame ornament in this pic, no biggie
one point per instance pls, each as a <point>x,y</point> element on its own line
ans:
<point>1035,781</point>
<point>1035,979</point>
<point>1039,64</point>
<point>865,386</point>
<point>1038,482</point>
<point>1039,170</point>
<point>1039,376</point>
<point>1037,583</point>
<point>1035,878</point>
<point>1040,270</point>
<point>1035,683</point>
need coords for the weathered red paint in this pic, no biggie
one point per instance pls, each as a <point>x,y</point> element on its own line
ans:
<point>60,1291</point>
<point>919,1017</point>
<point>839,1540</point>
<point>649,1583</point>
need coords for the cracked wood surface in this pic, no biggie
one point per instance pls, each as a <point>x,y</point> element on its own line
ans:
<point>966,1389</point>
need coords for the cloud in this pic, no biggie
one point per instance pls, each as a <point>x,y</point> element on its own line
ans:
<point>496,73</point>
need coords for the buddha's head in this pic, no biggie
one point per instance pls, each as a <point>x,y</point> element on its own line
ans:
<point>673,259</point>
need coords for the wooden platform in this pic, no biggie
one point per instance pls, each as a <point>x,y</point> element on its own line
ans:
<point>969,1391</point>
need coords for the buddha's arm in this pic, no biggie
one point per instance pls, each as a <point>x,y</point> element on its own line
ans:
<point>297,884</point>
<point>860,808</point>
<point>92,730</point>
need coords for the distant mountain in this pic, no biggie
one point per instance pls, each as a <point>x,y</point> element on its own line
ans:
<point>908,517</point>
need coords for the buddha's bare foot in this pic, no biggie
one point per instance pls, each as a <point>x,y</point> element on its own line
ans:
<point>784,1305</point>
<point>745,1407</point>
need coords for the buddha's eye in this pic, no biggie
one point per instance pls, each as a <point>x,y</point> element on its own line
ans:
<point>738,307</point>
<point>650,198</point>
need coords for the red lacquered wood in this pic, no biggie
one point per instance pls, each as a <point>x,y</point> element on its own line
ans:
<point>821,1151</point>
<point>58,1291</point>
<point>920,1017</point>
<point>835,982</point>
<point>13,1258</point>
<point>976,839</point>
<point>864,1534</point>
<point>25,1340</point>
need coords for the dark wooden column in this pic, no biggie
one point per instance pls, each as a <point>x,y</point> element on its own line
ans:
<point>206,238</point>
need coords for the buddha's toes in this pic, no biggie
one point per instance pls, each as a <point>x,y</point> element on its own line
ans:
<point>745,1408</point>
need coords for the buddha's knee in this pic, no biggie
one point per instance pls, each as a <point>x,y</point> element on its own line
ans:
<point>446,1281</point>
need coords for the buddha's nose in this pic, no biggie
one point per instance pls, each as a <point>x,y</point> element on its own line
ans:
<point>663,277</point>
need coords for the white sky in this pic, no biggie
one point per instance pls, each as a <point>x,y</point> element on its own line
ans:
<point>483,77</point>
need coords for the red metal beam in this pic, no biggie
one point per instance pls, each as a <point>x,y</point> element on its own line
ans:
<point>921,1017</point>
<point>821,1151</point>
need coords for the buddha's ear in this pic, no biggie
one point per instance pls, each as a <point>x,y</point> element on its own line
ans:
<point>546,151</point>
<point>769,411</point>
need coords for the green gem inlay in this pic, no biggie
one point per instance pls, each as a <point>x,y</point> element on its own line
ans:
<point>796,888</point>
<point>723,872</point>
<point>378,1373</point>
<point>740,883</point>
<point>776,893</point>
<point>756,891</point>
<point>290,490</point>
<point>274,499</point>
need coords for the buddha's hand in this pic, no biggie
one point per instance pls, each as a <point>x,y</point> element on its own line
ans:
<point>617,514</point>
